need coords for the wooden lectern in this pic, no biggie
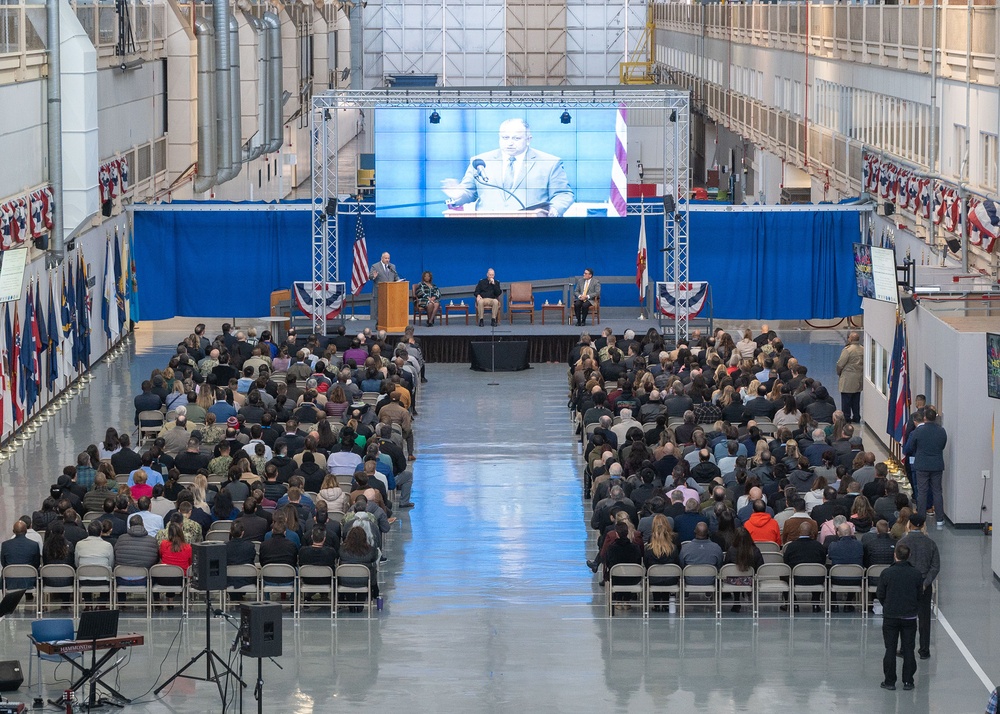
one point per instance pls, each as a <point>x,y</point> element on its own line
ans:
<point>393,306</point>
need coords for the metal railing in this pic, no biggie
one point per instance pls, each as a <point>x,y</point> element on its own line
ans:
<point>898,36</point>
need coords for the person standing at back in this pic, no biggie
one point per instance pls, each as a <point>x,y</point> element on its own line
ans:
<point>899,588</point>
<point>926,446</point>
<point>850,370</point>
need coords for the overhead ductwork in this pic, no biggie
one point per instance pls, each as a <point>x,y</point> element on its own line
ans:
<point>223,93</point>
<point>234,97</point>
<point>259,140</point>
<point>275,128</point>
<point>207,129</point>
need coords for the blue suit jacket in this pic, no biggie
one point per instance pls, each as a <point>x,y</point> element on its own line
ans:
<point>926,445</point>
<point>543,179</point>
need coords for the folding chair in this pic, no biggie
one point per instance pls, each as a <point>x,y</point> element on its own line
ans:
<point>242,572</point>
<point>20,575</point>
<point>871,584</point>
<point>57,573</point>
<point>52,630</point>
<point>135,587</point>
<point>731,570</point>
<point>855,575</point>
<point>710,589</point>
<point>161,572</point>
<point>659,579</point>
<point>626,572</point>
<point>93,580</point>
<point>279,579</point>
<point>811,571</point>
<point>353,572</point>
<point>771,579</point>
<point>316,572</point>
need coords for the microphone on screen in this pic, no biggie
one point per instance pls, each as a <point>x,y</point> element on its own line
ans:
<point>479,165</point>
<point>480,177</point>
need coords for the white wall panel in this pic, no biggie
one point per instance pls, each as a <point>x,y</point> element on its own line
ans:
<point>22,137</point>
<point>129,111</point>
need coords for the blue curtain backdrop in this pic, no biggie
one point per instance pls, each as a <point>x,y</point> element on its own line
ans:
<point>766,265</point>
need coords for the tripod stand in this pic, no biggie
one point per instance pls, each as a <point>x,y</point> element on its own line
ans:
<point>214,664</point>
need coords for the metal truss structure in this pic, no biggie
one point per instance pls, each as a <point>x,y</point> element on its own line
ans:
<point>326,188</point>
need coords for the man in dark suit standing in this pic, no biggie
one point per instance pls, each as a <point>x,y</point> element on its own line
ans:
<point>899,588</point>
<point>381,272</point>
<point>926,446</point>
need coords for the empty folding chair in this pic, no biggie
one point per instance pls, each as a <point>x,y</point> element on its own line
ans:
<point>871,584</point>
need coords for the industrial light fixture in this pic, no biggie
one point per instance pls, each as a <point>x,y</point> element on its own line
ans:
<point>565,118</point>
<point>435,118</point>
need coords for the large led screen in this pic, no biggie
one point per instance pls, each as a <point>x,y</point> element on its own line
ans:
<point>497,162</point>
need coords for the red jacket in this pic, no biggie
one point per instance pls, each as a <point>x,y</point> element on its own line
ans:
<point>763,528</point>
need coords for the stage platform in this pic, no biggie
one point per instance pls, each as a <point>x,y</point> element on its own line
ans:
<point>550,342</point>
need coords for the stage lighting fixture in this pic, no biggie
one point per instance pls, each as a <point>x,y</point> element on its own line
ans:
<point>673,116</point>
<point>565,118</point>
<point>435,118</point>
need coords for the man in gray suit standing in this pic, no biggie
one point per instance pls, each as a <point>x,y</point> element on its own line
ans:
<point>926,445</point>
<point>585,291</point>
<point>514,177</point>
<point>381,272</point>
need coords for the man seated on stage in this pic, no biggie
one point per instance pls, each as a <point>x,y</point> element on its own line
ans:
<point>585,291</point>
<point>488,294</point>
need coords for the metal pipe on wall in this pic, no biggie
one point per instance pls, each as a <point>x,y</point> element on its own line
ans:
<point>207,151</point>
<point>275,126</point>
<point>234,95</point>
<point>223,93</point>
<point>54,130</point>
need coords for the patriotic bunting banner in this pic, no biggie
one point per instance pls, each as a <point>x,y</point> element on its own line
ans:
<point>311,298</point>
<point>681,299</point>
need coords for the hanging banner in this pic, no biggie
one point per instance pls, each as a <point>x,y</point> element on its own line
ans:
<point>310,298</point>
<point>683,299</point>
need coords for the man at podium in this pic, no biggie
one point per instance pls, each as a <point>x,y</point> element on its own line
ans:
<point>381,272</point>
<point>513,178</point>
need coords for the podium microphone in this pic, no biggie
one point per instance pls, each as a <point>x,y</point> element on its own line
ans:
<point>480,177</point>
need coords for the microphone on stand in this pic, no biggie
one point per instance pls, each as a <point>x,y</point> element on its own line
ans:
<point>480,177</point>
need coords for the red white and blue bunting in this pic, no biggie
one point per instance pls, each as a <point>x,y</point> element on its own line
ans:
<point>685,299</point>
<point>310,297</point>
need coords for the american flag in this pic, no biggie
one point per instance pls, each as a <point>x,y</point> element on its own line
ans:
<point>359,273</point>
<point>899,384</point>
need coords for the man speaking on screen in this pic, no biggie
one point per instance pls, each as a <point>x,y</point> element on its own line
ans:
<point>514,177</point>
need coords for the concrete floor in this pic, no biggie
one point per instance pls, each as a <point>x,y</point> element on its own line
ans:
<point>489,606</point>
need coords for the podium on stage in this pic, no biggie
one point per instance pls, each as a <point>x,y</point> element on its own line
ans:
<point>393,306</point>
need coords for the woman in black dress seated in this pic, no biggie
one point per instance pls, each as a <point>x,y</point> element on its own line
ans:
<point>428,297</point>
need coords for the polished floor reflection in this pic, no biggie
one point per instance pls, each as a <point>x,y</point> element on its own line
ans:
<point>489,606</point>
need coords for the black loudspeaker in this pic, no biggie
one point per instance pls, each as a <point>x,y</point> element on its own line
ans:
<point>11,676</point>
<point>888,208</point>
<point>260,630</point>
<point>954,245</point>
<point>106,207</point>
<point>208,566</point>
<point>908,303</point>
<point>668,203</point>
<point>331,207</point>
